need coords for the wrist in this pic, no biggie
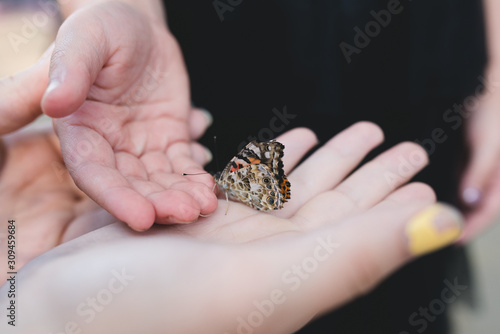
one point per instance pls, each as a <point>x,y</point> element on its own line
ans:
<point>152,8</point>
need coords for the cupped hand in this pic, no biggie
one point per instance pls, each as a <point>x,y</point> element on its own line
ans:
<point>37,192</point>
<point>480,186</point>
<point>249,271</point>
<point>119,91</point>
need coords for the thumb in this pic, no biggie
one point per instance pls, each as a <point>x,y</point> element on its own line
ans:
<point>387,240</point>
<point>21,93</point>
<point>484,139</point>
<point>79,54</point>
<point>342,262</point>
<point>477,174</point>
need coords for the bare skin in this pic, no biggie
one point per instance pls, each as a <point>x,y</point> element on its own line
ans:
<point>38,192</point>
<point>133,168</point>
<point>122,112</point>
<point>225,263</point>
<point>119,112</point>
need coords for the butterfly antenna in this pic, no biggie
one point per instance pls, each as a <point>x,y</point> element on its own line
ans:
<point>216,154</point>
<point>184,174</point>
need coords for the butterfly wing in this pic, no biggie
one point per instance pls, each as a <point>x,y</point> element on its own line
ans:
<point>271,154</point>
<point>255,176</point>
<point>256,187</point>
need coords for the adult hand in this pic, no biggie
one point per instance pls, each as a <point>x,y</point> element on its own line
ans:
<point>119,90</point>
<point>249,271</point>
<point>481,180</point>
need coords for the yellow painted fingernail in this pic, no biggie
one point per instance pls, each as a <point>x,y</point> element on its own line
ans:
<point>433,228</point>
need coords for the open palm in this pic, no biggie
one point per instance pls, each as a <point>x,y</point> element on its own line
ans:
<point>120,92</point>
<point>42,198</point>
<point>338,236</point>
<point>321,194</point>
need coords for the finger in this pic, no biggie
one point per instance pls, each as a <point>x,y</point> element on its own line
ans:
<point>251,229</point>
<point>94,170</point>
<point>199,121</point>
<point>200,153</point>
<point>484,141</point>
<point>20,95</point>
<point>297,143</point>
<point>175,207</point>
<point>348,260</point>
<point>365,187</point>
<point>415,191</point>
<point>174,197</point>
<point>479,171</point>
<point>485,214</point>
<point>75,64</point>
<point>331,163</point>
<point>204,197</point>
<point>3,154</point>
<point>180,158</point>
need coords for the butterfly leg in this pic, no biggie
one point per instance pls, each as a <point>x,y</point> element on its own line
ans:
<point>227,201</point>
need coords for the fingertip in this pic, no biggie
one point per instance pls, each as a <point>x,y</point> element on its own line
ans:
<point>435,227</point>
<point>210,205</point>
<point>175,207</point>
<point>66,93</point>
<point>370,131</point>
<point>199,120</point>
<point>129,207</point>
<point>208,116</point>
<point>302,135</point>
<point>75,63</point>
<point>201,154</point>
<point>201,193</point>
<point>138,227</point>
<point>415,154</point>
<point>307,134</point>
<point>139,220</point>
<point>471,196</point>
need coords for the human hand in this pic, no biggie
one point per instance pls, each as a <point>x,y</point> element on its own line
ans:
<point>120,92</point>
<point>42,198</point>
<point>480,185</point>
<point>336,238</point>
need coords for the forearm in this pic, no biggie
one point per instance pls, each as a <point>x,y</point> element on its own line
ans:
<point>492,25</point>
<point>152,8</point>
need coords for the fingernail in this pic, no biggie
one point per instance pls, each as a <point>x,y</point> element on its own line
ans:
<point>435,227</point>
<point>471,196</point>
<point>53,84</point>
<point>208,155</point>
<point>137,229</point>
<point>208,116</point>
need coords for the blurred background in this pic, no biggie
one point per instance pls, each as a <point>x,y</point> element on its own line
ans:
<point>27,27</point>
<point>26,30</point>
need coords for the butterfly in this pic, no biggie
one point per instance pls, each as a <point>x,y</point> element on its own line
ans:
<point>255,177</point>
